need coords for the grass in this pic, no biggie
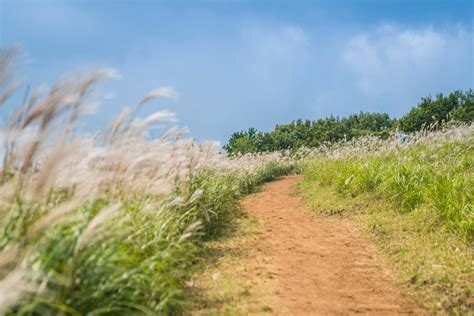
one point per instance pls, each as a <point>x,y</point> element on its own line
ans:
<point>140,259</point>
<point>112,223</point>
<point>416,204</point>
<point>436,177</point>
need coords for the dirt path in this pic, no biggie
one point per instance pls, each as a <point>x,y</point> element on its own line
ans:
<point>316,265</point>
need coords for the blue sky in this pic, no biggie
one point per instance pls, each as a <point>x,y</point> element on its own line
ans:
<point>241,64</point>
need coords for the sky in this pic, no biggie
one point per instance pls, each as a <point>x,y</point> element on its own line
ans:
<point>240,64</point>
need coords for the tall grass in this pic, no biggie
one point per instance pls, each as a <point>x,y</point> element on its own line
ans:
<point>434,171</point>
<point>110,223</point>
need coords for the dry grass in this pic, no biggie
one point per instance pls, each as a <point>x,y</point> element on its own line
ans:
<point>108,223</point>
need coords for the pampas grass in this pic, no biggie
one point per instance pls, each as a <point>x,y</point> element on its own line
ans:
<point>109,223</point>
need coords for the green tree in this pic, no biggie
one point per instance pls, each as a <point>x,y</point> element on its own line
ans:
<point>242,142</point>
<point>457,105</point>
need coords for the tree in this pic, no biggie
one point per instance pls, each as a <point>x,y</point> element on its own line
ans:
<point>457,105</point>
<point>242,142</point>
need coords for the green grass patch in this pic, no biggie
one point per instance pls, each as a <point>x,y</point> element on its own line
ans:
<point>439,178</point>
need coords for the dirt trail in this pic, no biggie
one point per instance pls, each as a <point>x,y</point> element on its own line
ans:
<point>318,265</point>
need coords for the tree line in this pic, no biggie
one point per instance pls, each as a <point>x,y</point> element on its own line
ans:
<point>458,106</point>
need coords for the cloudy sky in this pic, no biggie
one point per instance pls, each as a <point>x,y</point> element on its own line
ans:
<point>240,64</point>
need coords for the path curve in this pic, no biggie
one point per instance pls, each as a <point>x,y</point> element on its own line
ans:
<point>321,266</point>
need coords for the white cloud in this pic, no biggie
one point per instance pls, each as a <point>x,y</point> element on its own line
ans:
<point>415,45</point>
<point>392,59</point>
<point>275,43</point>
